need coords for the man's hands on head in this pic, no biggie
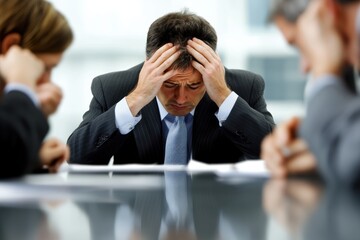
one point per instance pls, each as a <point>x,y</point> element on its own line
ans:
<point>211,68</point>
<point>21,66</point>
<point>284,153</point>
<point>154,72</point>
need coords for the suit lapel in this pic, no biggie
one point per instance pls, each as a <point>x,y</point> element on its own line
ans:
<point>204,124</point>
<point>148,134</point>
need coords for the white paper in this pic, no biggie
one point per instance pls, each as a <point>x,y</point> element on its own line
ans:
<point>254,168</point>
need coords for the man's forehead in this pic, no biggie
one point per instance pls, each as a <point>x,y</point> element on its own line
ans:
<point>190,75</point>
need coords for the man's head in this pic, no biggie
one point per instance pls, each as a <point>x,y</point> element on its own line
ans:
<point>181,93</point>
<point>178,28</point>
<point>285,14</point>
<point>35,25</point>
<point>290,10</point>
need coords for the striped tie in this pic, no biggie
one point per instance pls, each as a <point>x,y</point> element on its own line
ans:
<point>176,142</point>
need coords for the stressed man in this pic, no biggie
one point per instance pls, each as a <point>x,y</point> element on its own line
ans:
<point>131,112</point>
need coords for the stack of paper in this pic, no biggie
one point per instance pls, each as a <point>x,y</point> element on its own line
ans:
<point>254,168</point>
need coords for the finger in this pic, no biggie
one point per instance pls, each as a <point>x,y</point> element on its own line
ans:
<point>67,153</point>
<point>51,142</point>
<point>302,163</point>
<point>198,67</point>
<point>285,133</point>
<point>206,46</point>
<point>159,52</point>
<point>161,57</point>
<point>198,55</point>
<point>297,146</point>
<point>60,158</point>
<point>203,53</point>
<point>57,164</point>
<point>53,153</point>
<point>270,151</point>
<point>273,158</point>
<point>168,61</point>
<point>169,74</point>
<point>273,193</point>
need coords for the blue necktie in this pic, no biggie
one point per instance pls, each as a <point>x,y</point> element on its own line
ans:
<point>176,142</point>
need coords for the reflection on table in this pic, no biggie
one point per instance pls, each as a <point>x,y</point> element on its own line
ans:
<point>174,205</point>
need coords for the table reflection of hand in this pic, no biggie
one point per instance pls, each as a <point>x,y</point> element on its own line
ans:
<point>290,202</point>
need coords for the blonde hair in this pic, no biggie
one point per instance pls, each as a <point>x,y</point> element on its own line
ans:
<point>42,28</point>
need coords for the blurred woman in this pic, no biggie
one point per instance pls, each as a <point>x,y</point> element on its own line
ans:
<point>30,31</point>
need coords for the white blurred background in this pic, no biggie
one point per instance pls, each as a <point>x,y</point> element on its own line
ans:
<point>110,35</point>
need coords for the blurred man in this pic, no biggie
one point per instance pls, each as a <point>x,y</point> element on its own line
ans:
<point>326,36</point>
<point>182,77</point>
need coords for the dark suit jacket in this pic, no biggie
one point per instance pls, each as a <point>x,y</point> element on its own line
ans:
<point>22,130</point>
<point>97,139</point>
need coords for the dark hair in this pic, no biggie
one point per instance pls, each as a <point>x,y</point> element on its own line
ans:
<point>289,9</point>
<point>292,9</point>
<point>347,1</point>
<point>178,28</point>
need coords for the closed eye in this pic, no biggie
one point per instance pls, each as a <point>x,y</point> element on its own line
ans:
<point>170,84</point>
<point>194,86</point>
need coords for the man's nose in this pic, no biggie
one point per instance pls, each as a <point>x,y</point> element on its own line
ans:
<point>181,95</point>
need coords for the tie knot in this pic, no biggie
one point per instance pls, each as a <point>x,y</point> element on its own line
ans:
<point>172,118</point>
<point>180,118</point>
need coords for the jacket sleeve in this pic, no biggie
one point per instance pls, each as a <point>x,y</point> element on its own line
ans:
<point>93,142</point>
<point>249,121</point>
<point>332,129</point>
<point>22,130</point>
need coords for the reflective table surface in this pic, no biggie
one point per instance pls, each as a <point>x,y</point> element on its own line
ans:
<point>174,205</point>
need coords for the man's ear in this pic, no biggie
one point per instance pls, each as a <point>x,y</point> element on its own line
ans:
<point>10,40</point>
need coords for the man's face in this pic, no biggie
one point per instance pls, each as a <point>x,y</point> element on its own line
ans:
<point>290,33</point>
<point>181,94</point>
<point>345,25</point>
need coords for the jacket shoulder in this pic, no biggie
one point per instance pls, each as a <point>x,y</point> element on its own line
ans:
<point>110,77</point>
<point>243,74</point>
<point>114,86</point>
<point>246,80</point>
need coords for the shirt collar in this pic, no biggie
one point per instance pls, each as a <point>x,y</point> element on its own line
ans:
<point>164,113</point>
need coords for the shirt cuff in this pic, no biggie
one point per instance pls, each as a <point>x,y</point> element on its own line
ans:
<point>314,86</point>
<point>226,107</point>
<point>124,119</point>
<point>24,89</point>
